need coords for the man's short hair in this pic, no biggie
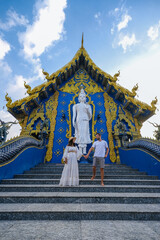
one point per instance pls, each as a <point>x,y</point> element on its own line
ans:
<point>98,134</point>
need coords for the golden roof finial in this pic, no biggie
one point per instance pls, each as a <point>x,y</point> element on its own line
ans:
<point>82,41</point>
<point>116,75</point>
<point>8,99</point>
<point>153,103</point>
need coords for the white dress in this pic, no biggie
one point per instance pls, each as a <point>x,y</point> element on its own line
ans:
<point>70,174</point>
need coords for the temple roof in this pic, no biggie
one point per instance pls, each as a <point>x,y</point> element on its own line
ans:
<point>140,110</point>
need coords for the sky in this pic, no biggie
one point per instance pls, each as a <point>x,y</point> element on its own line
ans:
<point>118,35</point>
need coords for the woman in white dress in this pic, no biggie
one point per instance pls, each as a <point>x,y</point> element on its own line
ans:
<point>70,174</point>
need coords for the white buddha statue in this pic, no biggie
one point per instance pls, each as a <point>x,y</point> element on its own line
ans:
<point>82,114</point>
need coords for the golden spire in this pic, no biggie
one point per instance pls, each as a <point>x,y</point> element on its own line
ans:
<point>82,41</point>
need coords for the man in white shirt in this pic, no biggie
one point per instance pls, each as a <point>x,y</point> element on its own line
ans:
<point>100,154</point>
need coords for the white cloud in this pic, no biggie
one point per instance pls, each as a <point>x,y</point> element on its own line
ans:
<point>153,31</point>
<point>144,70</point>
<point>46,29</point>
<point>5,68</point>
<point>4,48</point>
<point>16,87</point>
<point>127,41</point>
<point>97,16</point>
<point>112,30</point>
<point>121,19</point>
<point>36,63</point>
<point>13,19</point>
<point>123,24</point>
<point>115,12</point>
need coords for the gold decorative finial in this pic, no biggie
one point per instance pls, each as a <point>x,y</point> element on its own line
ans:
<point>27,87</point>
<point>115,77</point>
<point>134,89</point>
<point>82,41</point>
<point>47,75</point>
<point>8,99</point>
<point>153,103</point>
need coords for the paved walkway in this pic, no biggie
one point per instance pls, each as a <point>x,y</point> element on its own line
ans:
<point>80,230</point>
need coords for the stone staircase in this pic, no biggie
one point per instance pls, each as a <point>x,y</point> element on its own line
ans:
<point>128,194</point>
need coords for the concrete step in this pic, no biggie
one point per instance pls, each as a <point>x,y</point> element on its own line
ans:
<point>83,181</point>
<point>79,211</point>
<point>81,188</point>
<point>76,197</point>
<point>81,172</point>
<point>85,167</point>
<point>81,165</point>
<point>128,194</point>
<point>84,176</point>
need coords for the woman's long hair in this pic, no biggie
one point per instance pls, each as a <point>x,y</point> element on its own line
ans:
<point>71,143</point>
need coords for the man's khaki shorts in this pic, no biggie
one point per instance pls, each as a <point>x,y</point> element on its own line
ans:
<point>98,160</point>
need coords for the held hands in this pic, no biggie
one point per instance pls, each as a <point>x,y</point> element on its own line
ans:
<point>106,155</point>
<point>85,156</point>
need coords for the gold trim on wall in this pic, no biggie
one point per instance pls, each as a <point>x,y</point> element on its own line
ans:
<point>109,120</point>
<point>51,113</point>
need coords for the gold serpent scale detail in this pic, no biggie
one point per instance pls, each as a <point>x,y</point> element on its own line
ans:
<point>109,126</point>
<point>51,112</point>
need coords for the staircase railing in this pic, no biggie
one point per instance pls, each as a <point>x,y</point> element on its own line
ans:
<point>13,147</point>
<point>151,146</point>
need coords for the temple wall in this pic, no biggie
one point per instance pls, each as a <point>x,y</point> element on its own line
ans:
<point>107,113</point>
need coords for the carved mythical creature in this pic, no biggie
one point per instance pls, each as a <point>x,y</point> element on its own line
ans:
<point>8,99</point>
<point>45,124</point>
<point>43,135</point>
<point>121,126</point>
<point>27,87</point>
<point>156,132</point>
<point>115,77</point>
<point>134,89</point>
<point>123,131</point>
<point>4,127</point>
<point>153,103</point>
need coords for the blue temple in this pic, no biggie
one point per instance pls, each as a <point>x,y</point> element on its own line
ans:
<point>117,115</point>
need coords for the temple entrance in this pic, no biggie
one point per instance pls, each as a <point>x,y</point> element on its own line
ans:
<point>78,117</point>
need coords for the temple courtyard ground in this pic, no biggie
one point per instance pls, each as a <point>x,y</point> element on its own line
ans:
<point>80,230</point>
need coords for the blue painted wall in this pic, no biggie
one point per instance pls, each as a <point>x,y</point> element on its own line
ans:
<point>141,160</point>
<point>26,160</point>
<point>60,139</point>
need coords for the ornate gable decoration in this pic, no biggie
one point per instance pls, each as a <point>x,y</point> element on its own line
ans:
<point>21,108</point>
